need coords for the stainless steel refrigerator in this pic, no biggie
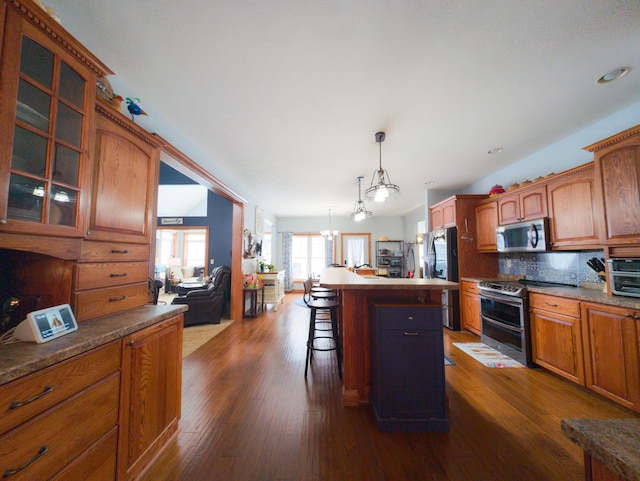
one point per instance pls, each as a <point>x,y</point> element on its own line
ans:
<point>441,262</point>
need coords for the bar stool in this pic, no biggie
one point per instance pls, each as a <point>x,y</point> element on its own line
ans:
<point>319,306</point>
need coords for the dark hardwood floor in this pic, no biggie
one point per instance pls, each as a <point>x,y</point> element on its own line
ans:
<point>249,414</point>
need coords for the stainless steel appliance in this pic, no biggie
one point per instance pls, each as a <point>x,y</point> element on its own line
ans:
<point>624,276</point>
<point>441,262</point>
<point>527,236</point>
<point>504,315</point>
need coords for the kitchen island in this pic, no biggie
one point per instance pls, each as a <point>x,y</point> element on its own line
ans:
<point>355,293</point>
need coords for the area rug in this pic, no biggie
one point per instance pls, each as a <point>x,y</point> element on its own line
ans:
<point>195,336</point>
<point>487,355</point>
<point>448,362</point>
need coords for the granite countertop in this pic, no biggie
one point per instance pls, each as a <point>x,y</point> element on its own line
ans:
<point>22,358</point>
<point>579,293</point>
<point>342,278</point>
<point>613,442</point>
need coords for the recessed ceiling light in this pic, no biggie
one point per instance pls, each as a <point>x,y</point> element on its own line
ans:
<point>495,150</point>
<point>614,75</point>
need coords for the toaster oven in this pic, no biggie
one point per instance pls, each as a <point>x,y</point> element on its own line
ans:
<point>624,277</point>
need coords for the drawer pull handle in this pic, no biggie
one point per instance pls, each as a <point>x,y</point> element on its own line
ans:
<point>116,251</point>
<point>131,343</point>
<point>17,404</point>
<point>410,333</point>
<point>12,471</point>
<point>116,299</point>
<point>632,316</point>
<point>551,304</point>
<point>124,274</point>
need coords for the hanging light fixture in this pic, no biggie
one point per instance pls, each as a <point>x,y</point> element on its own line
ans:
<point>360,212</point>
<point>383,189</point>
<point>330,233</point>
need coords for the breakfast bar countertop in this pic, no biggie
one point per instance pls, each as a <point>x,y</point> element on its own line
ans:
<point>613,442</point>
<point>342,278</point>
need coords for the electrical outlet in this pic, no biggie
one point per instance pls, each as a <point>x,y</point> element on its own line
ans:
<point>211,261</point>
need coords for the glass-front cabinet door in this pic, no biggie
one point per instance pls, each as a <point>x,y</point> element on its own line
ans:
<point>47,109</point>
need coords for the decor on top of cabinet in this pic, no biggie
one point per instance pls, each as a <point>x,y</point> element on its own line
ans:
<point>104,90</point>
<point>133,106</point>
<point>495,190</point>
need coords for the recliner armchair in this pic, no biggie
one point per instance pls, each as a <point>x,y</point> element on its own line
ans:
<point>207,305</point>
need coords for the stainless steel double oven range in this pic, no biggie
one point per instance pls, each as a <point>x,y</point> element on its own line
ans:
<point>504,314</point>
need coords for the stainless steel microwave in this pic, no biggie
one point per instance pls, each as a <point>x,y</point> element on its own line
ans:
<point>529,236</point>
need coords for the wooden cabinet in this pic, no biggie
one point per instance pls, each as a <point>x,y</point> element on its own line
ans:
<point>611,348</point>
<point>125,180</point>
<point>407,367</point>
<point>78,397</point>
<point>524,204</point>
<point>273,287</point>
<point>573,210</point>
<point>617,173</point>
<point>486,224</point>
<point>443,214</point>
<point>150,393</point>
<point>470,302</point>
<point>110,277</point>
<point>556,335</point>
<point>47,88</point>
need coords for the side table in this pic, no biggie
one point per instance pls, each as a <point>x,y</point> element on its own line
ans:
<point>250,301</point>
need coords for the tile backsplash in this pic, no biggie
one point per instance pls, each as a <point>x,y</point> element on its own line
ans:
<point>562,267</point>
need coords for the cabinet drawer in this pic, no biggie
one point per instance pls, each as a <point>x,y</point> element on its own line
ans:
<point>65,430</point>
<point>114,252</point>
<point>415,317</point>
<point>108,274</point>
<point>45,388</point>
<point>470,287</point>
<point>99,302</point>
<point>559,305</point>
<point>98,463</point>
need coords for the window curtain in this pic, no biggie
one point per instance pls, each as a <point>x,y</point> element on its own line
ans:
<point>328,252</point>
<point>287,240</point>
<point>355,251</point>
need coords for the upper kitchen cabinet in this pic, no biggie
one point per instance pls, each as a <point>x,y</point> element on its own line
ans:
<point>47,88</point>
<point>573,209</point>
<point>487,222</point>
<point>443,214</point>
<point>125,179</point>
<point>617,174</point>
<point>525,204</point>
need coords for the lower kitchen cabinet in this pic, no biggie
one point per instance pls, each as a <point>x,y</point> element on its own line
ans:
<point>407,367</point>
<point>55,418</point>
<point>556,336</point>
<point>611,352</point>
<point>150,393</point>
<point>470,303</point>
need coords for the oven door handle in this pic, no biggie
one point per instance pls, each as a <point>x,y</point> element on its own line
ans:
<point>503,299</point>
<point>519,330</point>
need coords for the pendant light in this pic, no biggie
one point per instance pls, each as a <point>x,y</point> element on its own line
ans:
<point>330,233</point>
<point>360,212</point>
<point>383,189</point>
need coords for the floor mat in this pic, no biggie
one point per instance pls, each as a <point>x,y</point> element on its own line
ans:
<point>448,362</point>
<point>487,355</point>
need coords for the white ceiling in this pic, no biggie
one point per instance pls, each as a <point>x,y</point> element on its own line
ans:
<point>284,97</point>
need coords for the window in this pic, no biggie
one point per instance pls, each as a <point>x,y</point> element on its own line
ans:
<point>266,247</point>
<point>307,255</point>
<point>194,248</point>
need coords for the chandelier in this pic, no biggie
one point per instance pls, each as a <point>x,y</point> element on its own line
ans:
<point>383,189</point>
<point>360,212</point>
<point>330,233</point>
